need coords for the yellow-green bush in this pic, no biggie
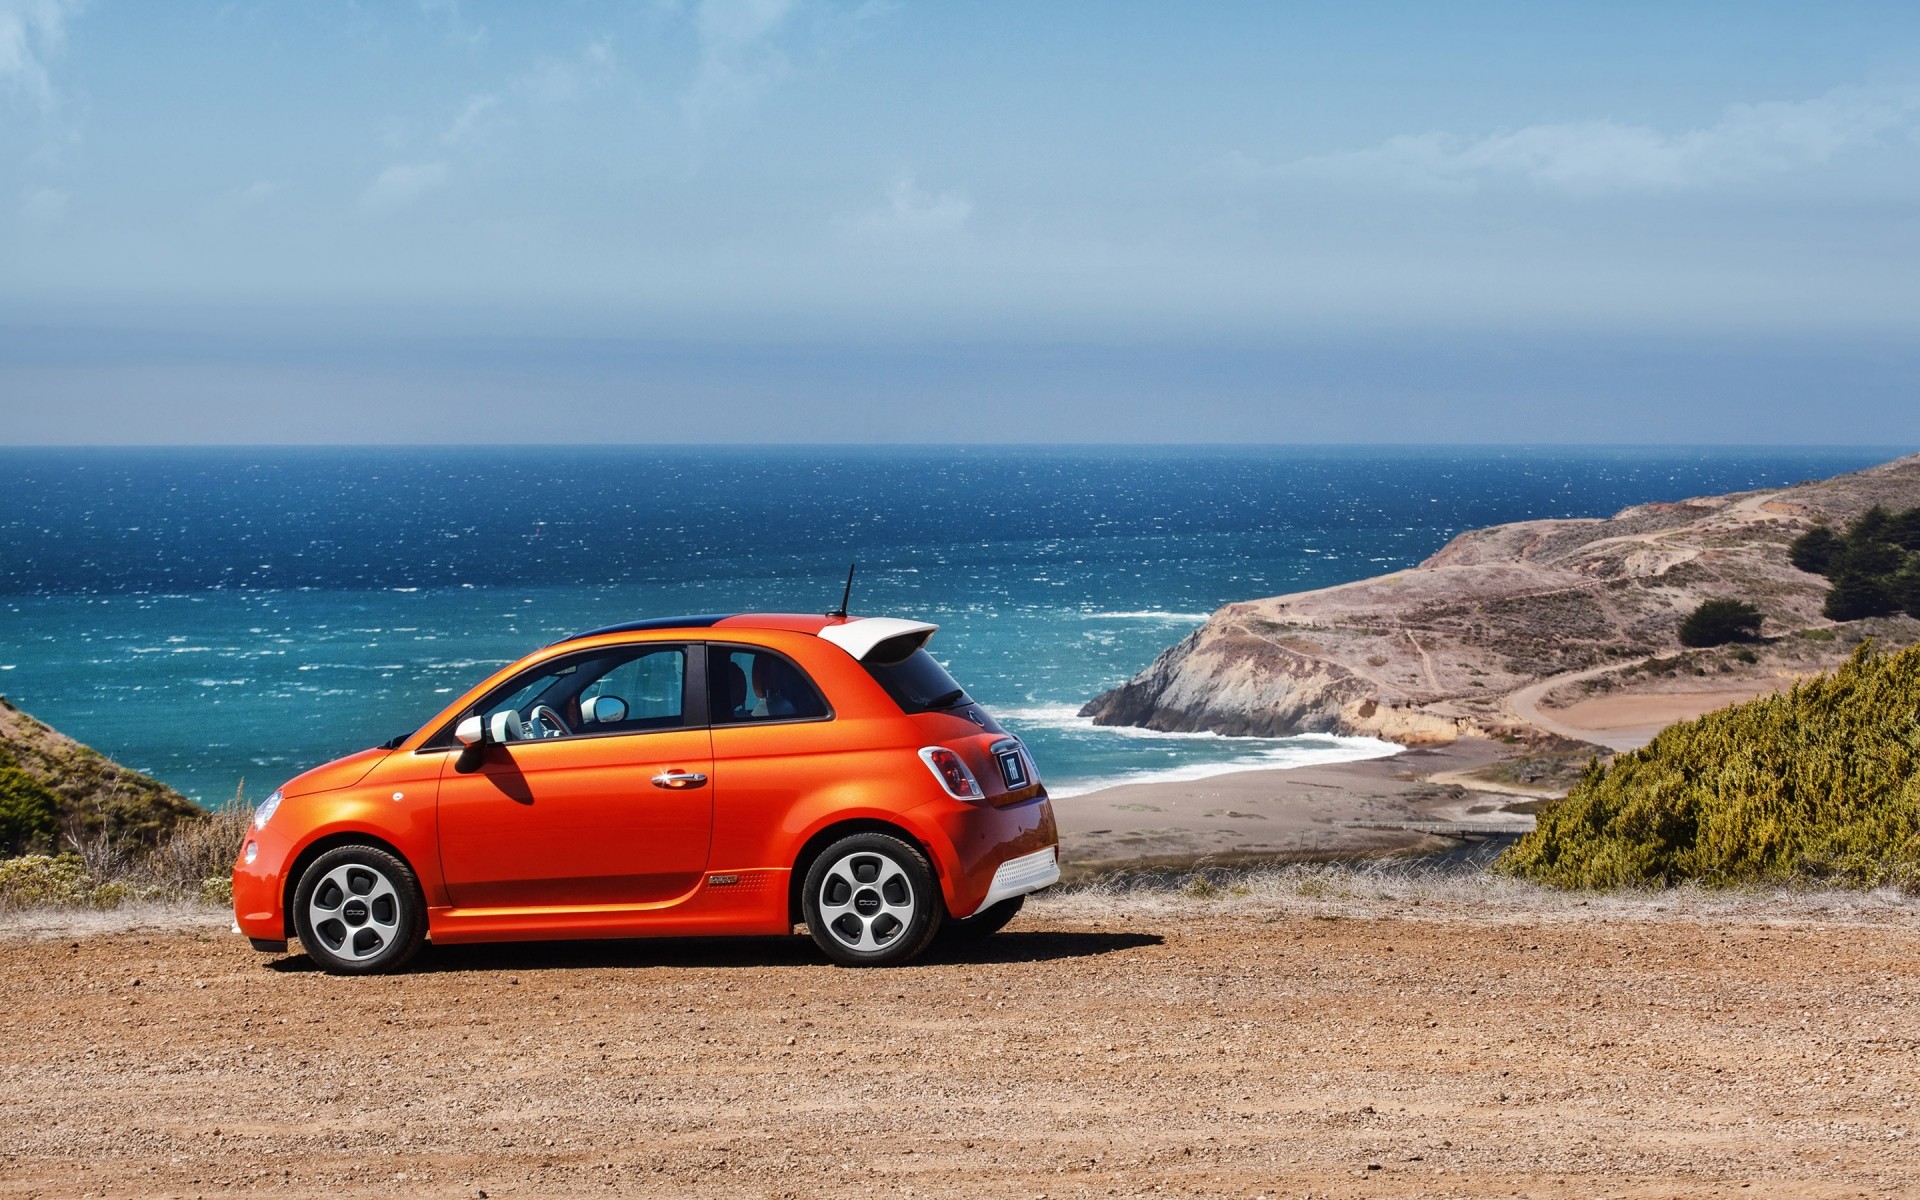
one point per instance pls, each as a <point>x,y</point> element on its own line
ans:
<point>47,881</point>
<point>1821,783</point>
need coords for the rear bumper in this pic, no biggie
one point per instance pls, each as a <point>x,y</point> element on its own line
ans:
<point>976,841</point>
<point>1018,876</point>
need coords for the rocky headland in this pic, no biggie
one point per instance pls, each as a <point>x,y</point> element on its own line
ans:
<point>1506,632</point>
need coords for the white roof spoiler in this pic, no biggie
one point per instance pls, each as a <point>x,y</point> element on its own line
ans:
<point>859,636</point>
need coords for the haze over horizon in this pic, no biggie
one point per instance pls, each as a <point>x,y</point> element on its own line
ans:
<point>733,221</point>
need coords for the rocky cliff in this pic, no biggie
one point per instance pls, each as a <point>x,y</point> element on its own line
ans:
<point>1431,653</point>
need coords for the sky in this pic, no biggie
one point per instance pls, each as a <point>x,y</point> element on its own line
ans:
<point>726,221</point>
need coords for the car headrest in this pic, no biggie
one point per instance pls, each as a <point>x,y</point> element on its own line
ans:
<point>604,709</point>
<point>507,727</point>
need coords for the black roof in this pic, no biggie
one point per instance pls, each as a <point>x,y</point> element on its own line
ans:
<point>702,621</point>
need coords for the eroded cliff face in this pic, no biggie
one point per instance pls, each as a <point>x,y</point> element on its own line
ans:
<point>1428,654</point>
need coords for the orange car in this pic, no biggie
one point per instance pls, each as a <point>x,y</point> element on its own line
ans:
<point>687,776</point>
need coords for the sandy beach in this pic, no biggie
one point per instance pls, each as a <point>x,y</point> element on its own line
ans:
<point>1292,813</point>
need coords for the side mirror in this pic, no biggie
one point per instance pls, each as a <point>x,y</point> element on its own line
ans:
<point>470,732</point>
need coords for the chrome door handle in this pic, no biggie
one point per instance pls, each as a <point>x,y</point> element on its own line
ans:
<point>679,780</point>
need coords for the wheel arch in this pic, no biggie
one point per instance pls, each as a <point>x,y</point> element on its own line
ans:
<point>333,841</point>
<point>828,835</point>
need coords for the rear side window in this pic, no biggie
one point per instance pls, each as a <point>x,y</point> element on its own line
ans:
<point>757,685</point>
<point>917,683</point>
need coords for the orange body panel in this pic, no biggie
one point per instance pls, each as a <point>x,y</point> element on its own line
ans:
<point>571,838</point>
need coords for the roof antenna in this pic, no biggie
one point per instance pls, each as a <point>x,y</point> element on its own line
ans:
<point>841,612</point>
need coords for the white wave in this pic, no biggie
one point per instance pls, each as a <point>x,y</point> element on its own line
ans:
<point>1145,615</point>
<point>1259,753</point>
<point>1278,758</point>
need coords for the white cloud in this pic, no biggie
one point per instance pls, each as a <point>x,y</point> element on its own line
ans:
<point>910,211</point>
<point>1591,157</point>
<point>457,26</point>
<point>467,124</point>
<point>400,186</point>
<point>739,57</point>
<point>256,193</point>
<point>563,80</point>
<point>43,206</point>
<point>30,32</point>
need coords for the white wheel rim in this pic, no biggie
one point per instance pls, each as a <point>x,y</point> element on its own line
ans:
<point>355,912</point>
<point>866,901</point>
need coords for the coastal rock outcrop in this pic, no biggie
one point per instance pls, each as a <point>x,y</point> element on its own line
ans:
<point>1427,654</point>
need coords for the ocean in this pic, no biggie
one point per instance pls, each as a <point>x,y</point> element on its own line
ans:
<point>223,618</point>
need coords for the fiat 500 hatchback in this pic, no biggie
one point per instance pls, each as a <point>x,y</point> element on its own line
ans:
<point>691,776</point>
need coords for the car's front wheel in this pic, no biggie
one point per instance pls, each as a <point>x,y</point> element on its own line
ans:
<point>359,912</point>
<point>871,900</point>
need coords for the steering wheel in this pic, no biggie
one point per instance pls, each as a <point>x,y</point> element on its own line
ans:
<point>547,723</point>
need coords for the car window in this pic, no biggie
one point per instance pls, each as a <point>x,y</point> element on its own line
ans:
<point>626,690</point>
<point>758,685</point>
<point>917,683</point>
<point>649,687</point>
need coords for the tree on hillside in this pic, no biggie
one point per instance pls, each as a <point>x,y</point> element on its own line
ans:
<point>1904,530</point>
<point>1855,595</point>
<point>1906,589</point>
<point>1717,622</point>
<point>1874,565</point>
<point>1815,550</point>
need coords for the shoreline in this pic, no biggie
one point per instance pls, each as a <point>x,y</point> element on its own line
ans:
<point>1289,814</point>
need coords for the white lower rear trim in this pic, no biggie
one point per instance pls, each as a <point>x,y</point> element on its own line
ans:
<point>1018,876</point>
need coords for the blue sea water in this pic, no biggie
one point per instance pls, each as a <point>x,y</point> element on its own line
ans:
<point>213,616</point>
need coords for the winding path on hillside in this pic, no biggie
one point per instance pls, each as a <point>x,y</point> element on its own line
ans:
<point>1524,704</point>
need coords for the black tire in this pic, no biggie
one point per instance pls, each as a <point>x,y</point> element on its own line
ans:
<point>359,911</point>
<point>871,900</point>
<point>983,924</point>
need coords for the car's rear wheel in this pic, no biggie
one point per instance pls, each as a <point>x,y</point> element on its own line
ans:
<point>871,900</point>
<point>985,923</point>
<point>358,911</point>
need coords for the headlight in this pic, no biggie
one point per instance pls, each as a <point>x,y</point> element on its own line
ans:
<point>264,813</point>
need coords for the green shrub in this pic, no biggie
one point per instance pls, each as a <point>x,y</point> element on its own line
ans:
<point>1875,567</point>
<point>1815,550</point>
<point>29,813</point>
<point>1854,596</point>
<point>1821,783</point>
<point>1717,622</point>
<point>45,881</point>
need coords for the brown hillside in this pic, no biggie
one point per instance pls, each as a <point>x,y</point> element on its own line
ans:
<point>92,794</point>
<point>1463,642</point>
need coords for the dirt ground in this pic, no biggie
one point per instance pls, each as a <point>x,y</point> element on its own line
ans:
<point>1105,1046</point>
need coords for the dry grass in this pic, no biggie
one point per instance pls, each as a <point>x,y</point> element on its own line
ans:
<point>1410,889</point>
<point>191,866</point>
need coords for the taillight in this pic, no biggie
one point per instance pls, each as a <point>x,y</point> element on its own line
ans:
<point>951,772</point>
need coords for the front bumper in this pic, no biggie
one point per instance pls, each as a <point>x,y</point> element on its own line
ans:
<point>257,887</point>
<point>1018,876</point>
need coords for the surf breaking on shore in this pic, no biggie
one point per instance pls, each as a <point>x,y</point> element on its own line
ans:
<point>1179,749</point>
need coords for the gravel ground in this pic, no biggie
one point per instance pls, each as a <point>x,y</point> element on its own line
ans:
<point>1284,1042</point>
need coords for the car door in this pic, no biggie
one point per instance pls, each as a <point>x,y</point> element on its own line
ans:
<point>589,809</point>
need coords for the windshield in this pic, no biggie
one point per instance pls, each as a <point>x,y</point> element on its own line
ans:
<point>917,683</point>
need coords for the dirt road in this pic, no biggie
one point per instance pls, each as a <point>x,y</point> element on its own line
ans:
<point>1186,1047</point>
